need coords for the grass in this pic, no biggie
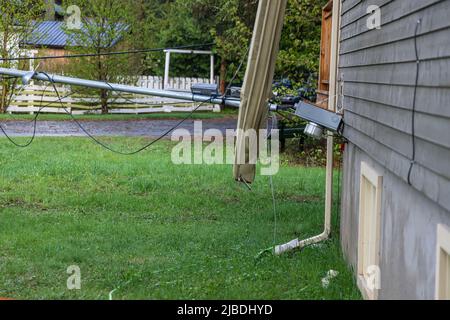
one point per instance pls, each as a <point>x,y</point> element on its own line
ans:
<point>155,230</point>
<point>122,117</point>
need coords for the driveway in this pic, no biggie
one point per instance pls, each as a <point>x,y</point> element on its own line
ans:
<point>133,128</point>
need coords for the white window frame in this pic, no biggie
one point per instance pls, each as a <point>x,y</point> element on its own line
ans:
<point>369,248</point>
<point>443,263</point>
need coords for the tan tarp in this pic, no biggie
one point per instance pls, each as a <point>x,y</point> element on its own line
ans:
<point>258,81</point>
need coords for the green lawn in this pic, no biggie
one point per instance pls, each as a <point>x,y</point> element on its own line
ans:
<point>154,230</point>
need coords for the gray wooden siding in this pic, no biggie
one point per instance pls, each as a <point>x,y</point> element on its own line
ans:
<point>378,68</point>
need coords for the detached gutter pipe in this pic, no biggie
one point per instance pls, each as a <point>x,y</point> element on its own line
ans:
<point>28,76</point>
<point>325,235</point>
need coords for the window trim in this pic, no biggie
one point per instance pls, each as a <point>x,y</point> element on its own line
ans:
<point>443,245</point>
<point>370,175</point>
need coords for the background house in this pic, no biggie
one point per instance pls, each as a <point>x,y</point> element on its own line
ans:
<point>49,38</point>
<point>393,87</point>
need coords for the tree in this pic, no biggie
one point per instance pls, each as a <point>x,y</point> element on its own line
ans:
<point>300,43</point>
<point>233,34</point>
<point>227,23</point>
<point>230,22</point>
<point>177,26</point>
<point>107,26</point>
<point>17,19</point>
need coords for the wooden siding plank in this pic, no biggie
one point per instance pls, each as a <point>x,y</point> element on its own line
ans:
<point>434,18</point>
<point>360,12</point>
<point>348,5</point>
<point>433,157</point>
<point>433,186</point>
<point>432,73</point>
<point>401,142</point>
<point>432,101</point>
<point>401,96</point>
<point>391,12</point>
<point>393,117</point>
<point>389,137</point>
<point>400,119</point>
<point>430,46</point>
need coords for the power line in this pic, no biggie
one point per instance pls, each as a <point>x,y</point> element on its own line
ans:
<point>110,148</point>
<point>33,137</point>
<point>116,53</point>
<point>413,112</point>
<point>61,98</point>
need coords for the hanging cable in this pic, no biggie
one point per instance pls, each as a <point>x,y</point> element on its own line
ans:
<point>272,185</point>
<point>241,64</point>
<point>271,249</point>
<point>116,53</point>
<point>110,148</point>
<point>413,115</point>
<point>34,120</point>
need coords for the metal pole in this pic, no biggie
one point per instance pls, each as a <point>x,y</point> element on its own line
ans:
<point>186,96</point>
<point>212,69</point>
<point>167,70</point>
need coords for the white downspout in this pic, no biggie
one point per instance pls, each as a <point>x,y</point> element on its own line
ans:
<point>325,235</point>
<point>299,244</point>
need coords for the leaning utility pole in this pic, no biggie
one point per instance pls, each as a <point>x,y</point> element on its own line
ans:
<point>258,81</point>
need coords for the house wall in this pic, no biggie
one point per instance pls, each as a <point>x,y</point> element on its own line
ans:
<point>408,234</point>
<point>378,69</point>
<point>53,65</point>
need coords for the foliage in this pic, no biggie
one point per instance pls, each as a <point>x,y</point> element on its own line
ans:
<point>176,26</point>
<point>300,44</point>
<point>169,23</point>
<point>16,22</point>
<point>227,23</point>
<point>107,25</point>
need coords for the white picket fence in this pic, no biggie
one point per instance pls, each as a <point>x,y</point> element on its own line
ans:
<point>177,84</point>
<point>38,98</point>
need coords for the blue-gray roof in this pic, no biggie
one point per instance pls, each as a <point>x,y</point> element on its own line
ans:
<point>52,34</point>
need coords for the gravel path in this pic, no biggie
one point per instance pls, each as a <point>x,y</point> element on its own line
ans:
<point>138,128</point>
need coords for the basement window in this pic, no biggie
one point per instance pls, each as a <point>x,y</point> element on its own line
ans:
<point>369,275</point>
<point>443,264</point>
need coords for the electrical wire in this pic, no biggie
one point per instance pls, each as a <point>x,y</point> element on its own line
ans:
<point>51,80</point>
<point>34,127</point>
<point>34,120</point>
<point>339,182</point>
<point>107,53</point>
<point>61,98</point>
<point>237,71</point>
<point>413,115</point>
<point>272,185</point>
<point>103,145</point>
